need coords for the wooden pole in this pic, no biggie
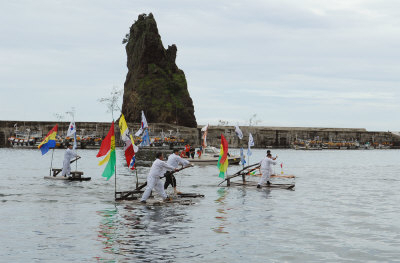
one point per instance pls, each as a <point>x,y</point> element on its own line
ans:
<point>137,179</point>
<point>51,163</point>
<point>115,168</point>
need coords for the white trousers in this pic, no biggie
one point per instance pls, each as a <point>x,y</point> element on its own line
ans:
<point>157,185</point>
<point>264,177</point>
<point>66,169</point>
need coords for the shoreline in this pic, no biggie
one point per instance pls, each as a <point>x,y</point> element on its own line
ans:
<point>264,136</point>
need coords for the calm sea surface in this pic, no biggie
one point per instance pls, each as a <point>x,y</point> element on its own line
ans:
<point>345,208</point>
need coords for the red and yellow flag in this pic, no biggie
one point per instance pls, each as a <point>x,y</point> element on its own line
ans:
<point>108,148</point>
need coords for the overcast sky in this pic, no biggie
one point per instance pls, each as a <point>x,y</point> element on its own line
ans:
<point>318,63</point>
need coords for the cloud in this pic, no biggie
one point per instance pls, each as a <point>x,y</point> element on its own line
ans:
<point>294,63</point>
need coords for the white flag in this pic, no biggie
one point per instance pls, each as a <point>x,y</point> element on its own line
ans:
<point>251,143</point>
<point>205,131</point>
<point>71,129</point>
<point>205,128</point>
<point>144,121</point>
<point>239,133</point>
<point>143,125</point>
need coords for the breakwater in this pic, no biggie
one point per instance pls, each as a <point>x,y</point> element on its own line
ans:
<point>277,137</point>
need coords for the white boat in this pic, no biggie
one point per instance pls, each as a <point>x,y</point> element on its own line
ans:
<point>210,155</point>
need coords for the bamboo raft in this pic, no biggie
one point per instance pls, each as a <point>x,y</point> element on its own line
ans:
<point>246,171</point>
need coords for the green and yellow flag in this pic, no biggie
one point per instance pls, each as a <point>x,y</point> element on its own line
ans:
<point>107,149</point>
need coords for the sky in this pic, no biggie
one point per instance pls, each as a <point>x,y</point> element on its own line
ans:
<point>309,63</point>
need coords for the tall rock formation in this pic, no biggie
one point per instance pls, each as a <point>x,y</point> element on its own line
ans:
<point>154,83</point>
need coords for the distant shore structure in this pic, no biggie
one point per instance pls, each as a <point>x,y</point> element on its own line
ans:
<point>264,137</point>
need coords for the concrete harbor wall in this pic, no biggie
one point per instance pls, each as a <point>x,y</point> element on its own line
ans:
<point>278,137</point>
<point>282,137</point>
<point>99,129</point>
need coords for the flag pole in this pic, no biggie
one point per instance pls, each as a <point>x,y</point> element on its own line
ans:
<point>75,142</point>
<point>76,151</point>
<point>115,166</point>
<point>51,163</point>
<point>137,179</point>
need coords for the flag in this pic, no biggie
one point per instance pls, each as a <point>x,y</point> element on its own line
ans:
<point>205,128</point>
<point>49,141</point>
<point>71,129</point>
<point>251,143</point>
<point>129,144</point>
<point>281,168</point>
<point>145,138</point>
<point>107,149</point>
<point>205,131</point>
<point>223,157</point>
<point>144,121</point>
<point>143,125</point>
<point>238,132</point>
<point>242,159</point>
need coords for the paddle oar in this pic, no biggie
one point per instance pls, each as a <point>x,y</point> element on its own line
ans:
<point>171,172</point>
<point>180,169</point>
<point>238,173</point>
<point>76,159</point>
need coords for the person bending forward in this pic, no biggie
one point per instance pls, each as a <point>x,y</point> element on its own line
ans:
<point>157,171</point>
<point>174,160</point>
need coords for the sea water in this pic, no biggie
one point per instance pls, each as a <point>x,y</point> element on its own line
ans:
<point>345,208</point>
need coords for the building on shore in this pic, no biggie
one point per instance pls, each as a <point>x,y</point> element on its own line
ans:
<point>264,137</point>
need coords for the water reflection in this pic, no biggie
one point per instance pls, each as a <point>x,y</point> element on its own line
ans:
<point>222,211</point>
<point>107,232</point>
<point>145,233</point>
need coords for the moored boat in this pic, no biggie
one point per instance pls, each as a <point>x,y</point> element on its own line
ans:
<point>210,155</point>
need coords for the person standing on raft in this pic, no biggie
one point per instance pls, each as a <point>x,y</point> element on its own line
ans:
<point>157,171</point>
<point>266,169</point>
<point>68,155</point>
<point>174,160</point>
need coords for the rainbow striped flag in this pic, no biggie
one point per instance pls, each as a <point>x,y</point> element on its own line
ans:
<point>223,157</point>
<point>107,149</point>
<point>49,142</point>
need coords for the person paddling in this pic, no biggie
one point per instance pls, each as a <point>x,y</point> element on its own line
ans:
<point>174,160</point>
<point>157,171</point>
<point>266,169</point>
<point>68,155</point>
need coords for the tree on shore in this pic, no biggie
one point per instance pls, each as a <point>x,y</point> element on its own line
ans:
<point>112,101</point>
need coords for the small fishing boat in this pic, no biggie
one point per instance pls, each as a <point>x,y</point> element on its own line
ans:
<point>210,155</point>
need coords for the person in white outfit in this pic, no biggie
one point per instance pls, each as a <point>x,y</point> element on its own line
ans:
<point>157,171</point>
<point>266,169</point>
<point>68,156</point>
<point>174,160</point>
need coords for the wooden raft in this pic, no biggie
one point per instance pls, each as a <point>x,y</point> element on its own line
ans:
<point>245,171</point>
<point>136,194</point>
<point>254,184</point>
<point>75,176</point>
<point>157,202</point>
